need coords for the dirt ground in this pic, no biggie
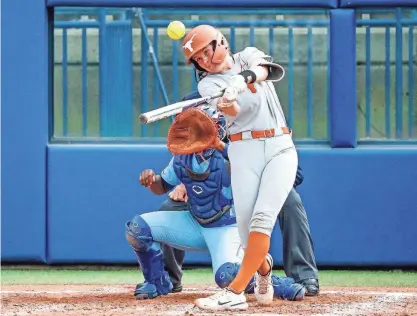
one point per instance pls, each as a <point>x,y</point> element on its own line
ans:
<point>91,300</point>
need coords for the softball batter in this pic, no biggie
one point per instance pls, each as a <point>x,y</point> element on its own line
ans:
<point>262,154</point>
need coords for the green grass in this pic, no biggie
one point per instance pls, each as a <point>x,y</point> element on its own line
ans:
<point>197,276</point>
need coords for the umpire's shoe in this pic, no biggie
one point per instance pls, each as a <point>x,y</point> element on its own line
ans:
<point>176,288</point>
<point>312,286</point>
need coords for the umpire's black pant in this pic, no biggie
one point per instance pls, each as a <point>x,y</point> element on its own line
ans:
<point>298,251</point>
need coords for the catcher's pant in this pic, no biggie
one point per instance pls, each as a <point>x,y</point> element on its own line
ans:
<point>180,230</point>
<point>173,257</point>
<point>263,174</point>
<point>298,250</point>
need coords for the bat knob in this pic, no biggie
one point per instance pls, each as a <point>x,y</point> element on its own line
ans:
<point>143,119</point>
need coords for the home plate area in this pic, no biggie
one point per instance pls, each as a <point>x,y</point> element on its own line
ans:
<point>117,300</point>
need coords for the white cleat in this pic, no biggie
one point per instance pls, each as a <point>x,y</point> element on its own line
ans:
<point>264,290</point>
<point>224,300</point>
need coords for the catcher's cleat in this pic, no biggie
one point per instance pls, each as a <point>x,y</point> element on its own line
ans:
<point>175,289</point>
<point>287,289</point>
<point>147,290</point>
<point>312,286</point>
<point>264,291</point>
<point>223,300</point>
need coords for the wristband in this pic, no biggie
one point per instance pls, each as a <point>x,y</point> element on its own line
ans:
<point>249,76</point>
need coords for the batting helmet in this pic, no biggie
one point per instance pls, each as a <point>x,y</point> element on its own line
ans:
<point>201,36</point>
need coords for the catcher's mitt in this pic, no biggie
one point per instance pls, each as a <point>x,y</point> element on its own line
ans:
<point>192,131</point>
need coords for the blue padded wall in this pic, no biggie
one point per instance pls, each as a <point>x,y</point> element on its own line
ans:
<point>357,215</point>
<point>92,192</point>
<point>362,204</point>
<point>24,129</point>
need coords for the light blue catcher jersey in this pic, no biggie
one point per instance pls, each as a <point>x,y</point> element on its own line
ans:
<point>208,187</point>
<point>169,175</point>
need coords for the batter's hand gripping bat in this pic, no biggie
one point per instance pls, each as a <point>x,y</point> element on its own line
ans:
<point>175,108</point>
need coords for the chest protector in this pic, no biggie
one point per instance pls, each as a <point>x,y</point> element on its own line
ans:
<point>209,206</point>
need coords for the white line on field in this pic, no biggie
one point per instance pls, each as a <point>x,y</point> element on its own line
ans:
<point>403,294</point>
<point>45,292</point>
<point>64,292</point>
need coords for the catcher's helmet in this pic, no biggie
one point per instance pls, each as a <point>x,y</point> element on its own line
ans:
<point>221,125</point>
<point>201,36</point>
<point>220,121</point>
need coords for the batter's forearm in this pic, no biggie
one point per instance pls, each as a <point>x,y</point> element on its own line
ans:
<point>158,186</point>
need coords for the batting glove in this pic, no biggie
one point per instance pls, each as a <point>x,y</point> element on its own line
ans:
<point>238,82</point>
<point>230,94</point>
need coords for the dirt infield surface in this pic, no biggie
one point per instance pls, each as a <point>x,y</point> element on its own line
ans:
<point>91,300</point>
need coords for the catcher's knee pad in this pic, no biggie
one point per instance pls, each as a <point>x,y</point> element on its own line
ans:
<point>138,234</point>
<point>227,272</point>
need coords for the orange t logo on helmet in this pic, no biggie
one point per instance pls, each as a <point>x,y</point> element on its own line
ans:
<point>188,44</point>
<point>201,36</point>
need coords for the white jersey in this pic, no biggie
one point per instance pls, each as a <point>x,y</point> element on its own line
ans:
<point>258,111</point>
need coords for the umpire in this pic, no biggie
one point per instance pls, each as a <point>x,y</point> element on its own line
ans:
<point>298,250</point>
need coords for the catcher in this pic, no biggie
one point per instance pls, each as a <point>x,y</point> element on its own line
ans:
<point>200,162</point>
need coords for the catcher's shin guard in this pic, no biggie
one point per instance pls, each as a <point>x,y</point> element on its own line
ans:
<point>226,273</point>
<point>150,259</point>
<point>287,289</point>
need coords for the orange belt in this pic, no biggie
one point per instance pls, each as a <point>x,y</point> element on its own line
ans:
<point>258,134</point>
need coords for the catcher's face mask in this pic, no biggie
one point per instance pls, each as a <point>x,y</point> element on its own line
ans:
<point>220,121</point>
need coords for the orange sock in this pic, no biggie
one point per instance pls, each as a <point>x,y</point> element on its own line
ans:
<point>258,247</point>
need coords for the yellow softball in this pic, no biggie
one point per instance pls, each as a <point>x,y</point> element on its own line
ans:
<point>176,30</point>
